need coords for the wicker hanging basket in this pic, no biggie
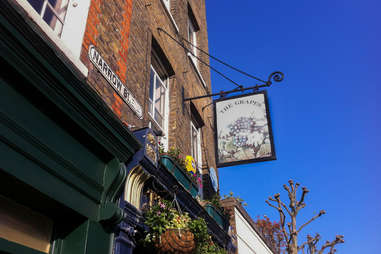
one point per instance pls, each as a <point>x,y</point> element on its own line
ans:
<point>176,241</point>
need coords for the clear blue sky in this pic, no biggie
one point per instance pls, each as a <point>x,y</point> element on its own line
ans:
<point>325,114</point>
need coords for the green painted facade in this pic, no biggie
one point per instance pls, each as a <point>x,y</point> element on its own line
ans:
<point>61,149</point>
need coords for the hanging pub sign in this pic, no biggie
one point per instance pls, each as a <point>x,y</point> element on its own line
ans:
<point>114,81</point>
<point>243,130</point>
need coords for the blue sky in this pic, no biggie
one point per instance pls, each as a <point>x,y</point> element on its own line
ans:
<point>325,114</point>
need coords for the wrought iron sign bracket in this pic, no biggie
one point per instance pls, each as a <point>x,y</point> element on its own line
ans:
<point>276,76</point>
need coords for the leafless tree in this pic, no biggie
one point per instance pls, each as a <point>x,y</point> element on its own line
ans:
<point>291,233</point>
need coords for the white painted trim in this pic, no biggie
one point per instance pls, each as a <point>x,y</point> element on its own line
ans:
<point>168,11</point>
<point>199,151</point>
<point>239,216</point>
<point>36,18</point>
<point>134,186</point>
<point>166,116</point>
<point>75,25</point>
<point>165,139</point>
<point>197,71</point>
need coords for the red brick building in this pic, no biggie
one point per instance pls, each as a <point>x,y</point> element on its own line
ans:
<point>103,71</point>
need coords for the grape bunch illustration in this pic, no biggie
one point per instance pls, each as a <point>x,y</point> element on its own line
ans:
<point>239,130</point>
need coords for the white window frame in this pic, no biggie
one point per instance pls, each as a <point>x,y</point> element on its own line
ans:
<point>151,110</point>
<point>194,54</point>
<point>192,32</point>
<point>71,37</point>
<point>197,159</point>
<point>167,5</point>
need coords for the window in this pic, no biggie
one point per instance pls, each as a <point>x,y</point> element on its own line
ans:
<point>196,146</point>
<point>62,20</point>
<point>192,38</point>
<point>167,5</point>
<point>192,31</point>
<point>53,12</point>
<point>157,98</point>
<point>24,226</point>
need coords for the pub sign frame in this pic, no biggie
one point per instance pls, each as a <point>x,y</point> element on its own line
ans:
<point>247,136</point>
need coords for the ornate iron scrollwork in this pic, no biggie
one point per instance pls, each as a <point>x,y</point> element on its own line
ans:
<point>276,76</point>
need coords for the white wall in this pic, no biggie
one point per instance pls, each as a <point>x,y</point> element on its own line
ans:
<point>248,241</point>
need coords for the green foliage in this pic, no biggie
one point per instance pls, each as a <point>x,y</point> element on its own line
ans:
<point>209,248</point>
<point>175,154</point>
<point>215,201</point>
<point>204,243</point>
<point>240,200</point>
<point>163,216</point>
<point>200,230</point>
<point>158,218</point>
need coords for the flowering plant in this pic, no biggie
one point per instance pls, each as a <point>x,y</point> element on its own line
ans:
<point>175,154</point>
<point>162,216</point>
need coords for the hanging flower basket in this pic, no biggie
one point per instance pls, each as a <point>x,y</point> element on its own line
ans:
<point>176,241</point>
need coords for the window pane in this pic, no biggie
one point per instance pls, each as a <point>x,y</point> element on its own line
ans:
<point>150,107</point>
<point>24,226</point>
<point>52,2</point>
<point>159,95</point>
<point>51,19</point>
<point>60,7</point>
<point>159,118</point>
<point>151,85</point>
<point>36,4</point>
<point>162,104</point>
<point>194,143</point>
<point>157,98</point>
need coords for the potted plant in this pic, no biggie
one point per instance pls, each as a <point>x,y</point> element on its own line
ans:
<point>174,232</point>
<point>169,230</point>
<point>175,164</point>
<point>216,211</point>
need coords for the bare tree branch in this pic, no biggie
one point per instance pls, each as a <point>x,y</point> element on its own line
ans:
<point>281,213</point>
<point>301,201</point>
<point>296,186</point>
<point>291,233</point>
<point>312,219</point>
<point>291,183</point>
<point>303,245</point>
<point>285,207</point>
<point>339,239</point>
<point>282,222</point>
<point>286,188</point>
<point>271,205</point>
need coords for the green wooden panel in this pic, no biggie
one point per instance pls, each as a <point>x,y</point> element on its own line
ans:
<point>50,137</point>
<point>38,152</point>
<point>31,173</point>
<point>98,240</point>
<point>88,238</point>
<point>75,242</point>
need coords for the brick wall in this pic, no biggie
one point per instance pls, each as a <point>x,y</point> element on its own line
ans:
<point>122,32</point>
